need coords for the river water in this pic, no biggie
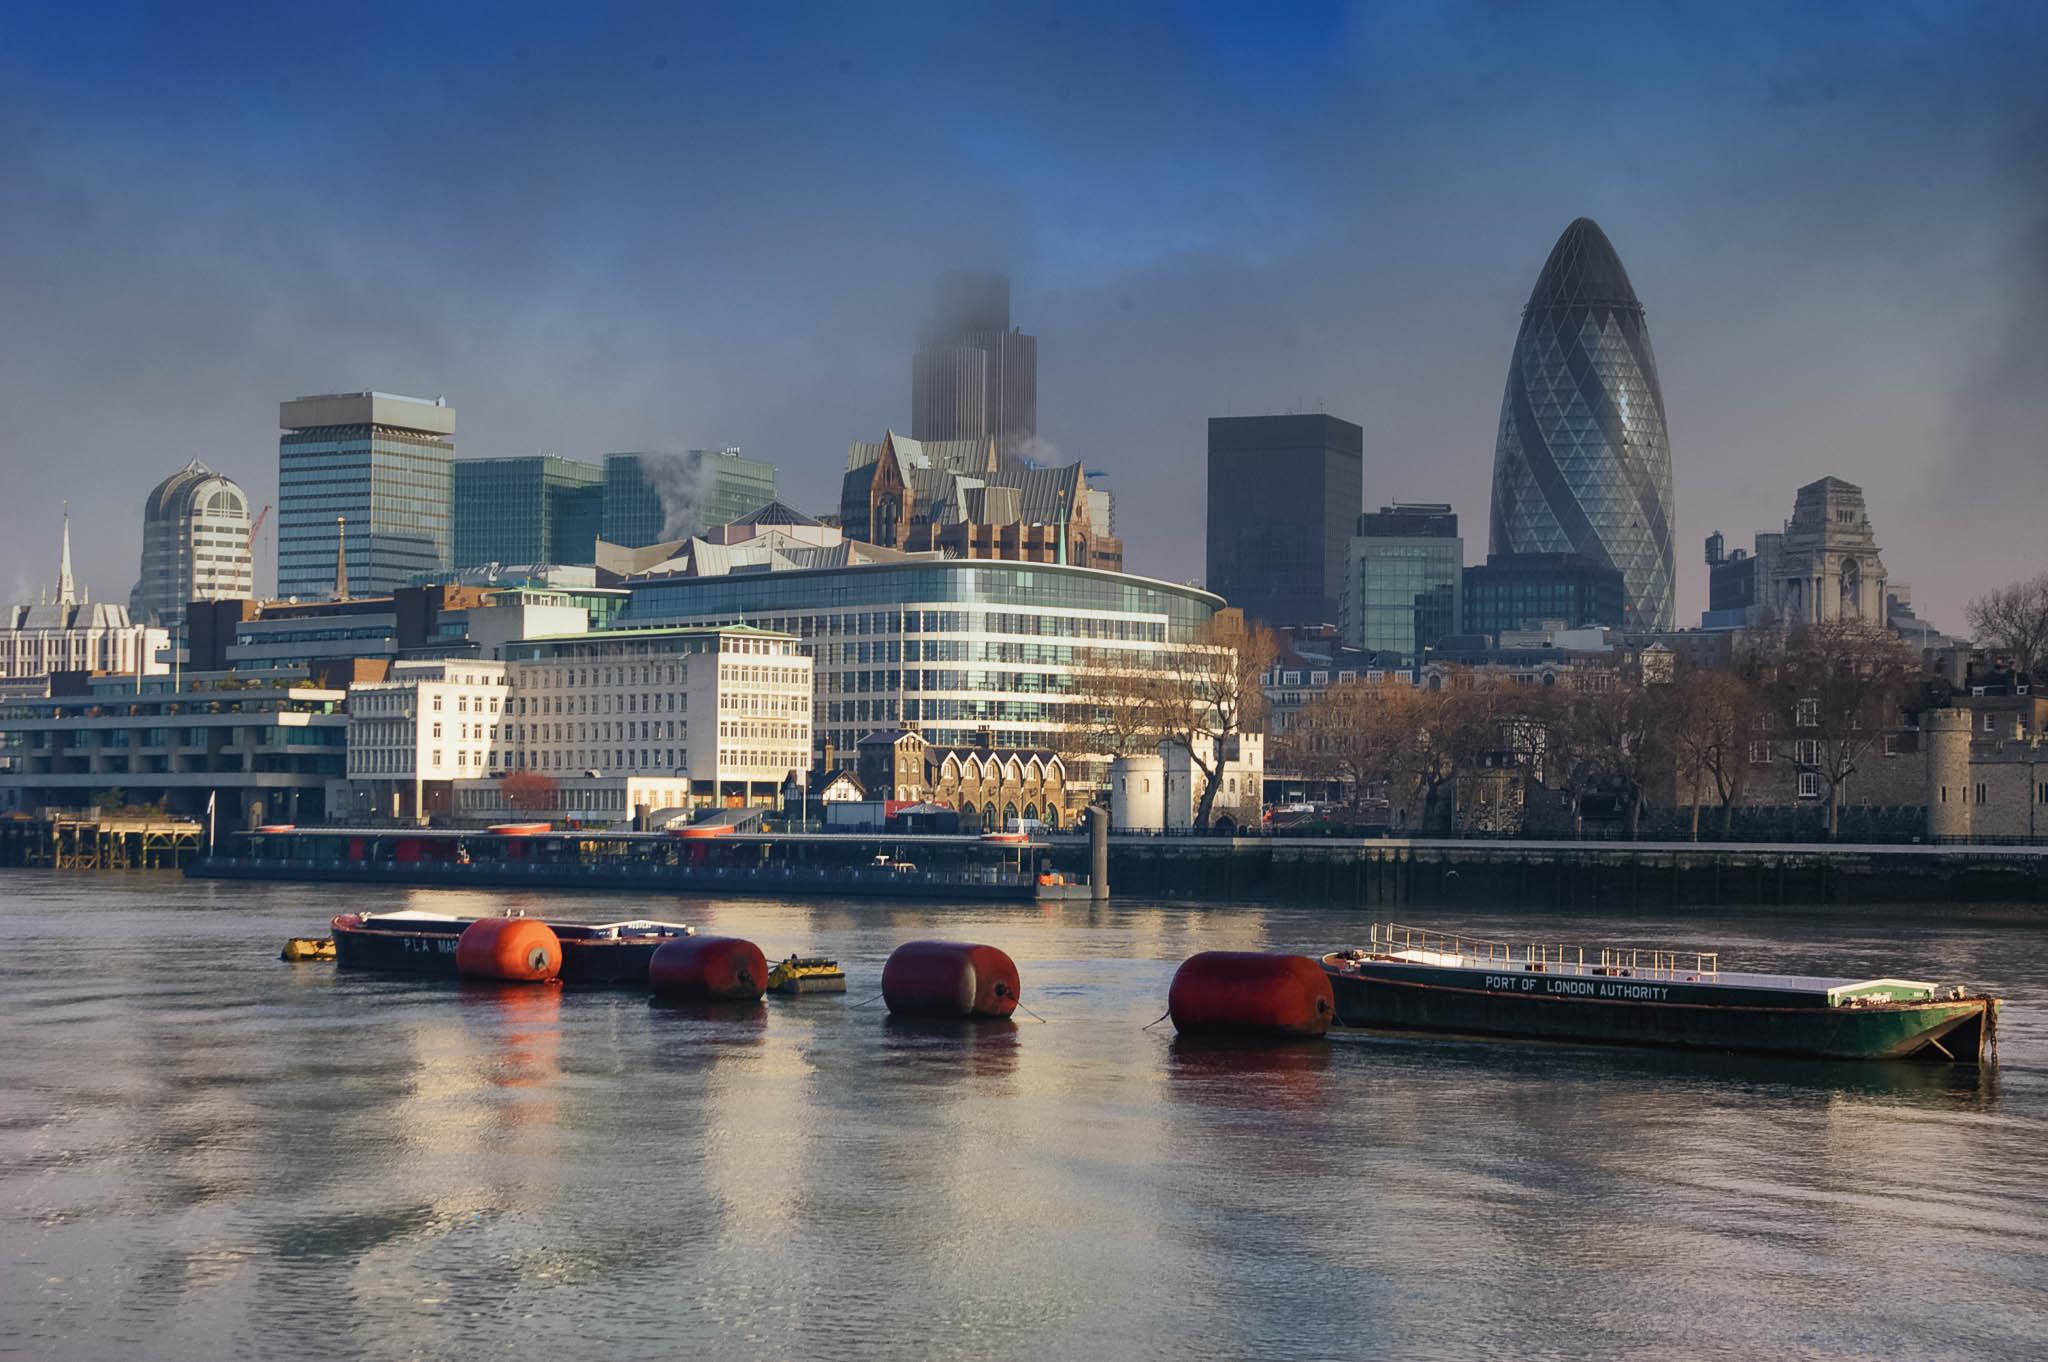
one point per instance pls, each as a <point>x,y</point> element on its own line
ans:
<point>206,1153</point>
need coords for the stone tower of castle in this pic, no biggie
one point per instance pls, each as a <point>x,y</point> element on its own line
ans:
<point>1945,734</point>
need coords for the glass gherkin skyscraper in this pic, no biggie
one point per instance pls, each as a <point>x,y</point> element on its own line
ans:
<point>1583,464</point>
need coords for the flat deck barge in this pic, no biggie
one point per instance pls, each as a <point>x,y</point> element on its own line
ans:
<point>1416,979</point>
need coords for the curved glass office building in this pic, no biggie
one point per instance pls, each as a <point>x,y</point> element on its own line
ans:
<point>960,649</point>
<point>1583,464</point>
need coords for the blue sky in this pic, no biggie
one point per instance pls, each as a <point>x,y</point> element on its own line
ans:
<point>599,227</point>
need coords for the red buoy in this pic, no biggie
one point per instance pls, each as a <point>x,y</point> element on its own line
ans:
<point>1250,993</point>
<point>515,950</point>
<point>708,967</point>
<point>950,979</point>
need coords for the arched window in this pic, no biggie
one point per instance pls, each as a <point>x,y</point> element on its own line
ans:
<point>1009,815</point>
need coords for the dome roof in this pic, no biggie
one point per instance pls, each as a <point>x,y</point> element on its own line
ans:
<point>176,496</point>
<point>1583,269</point>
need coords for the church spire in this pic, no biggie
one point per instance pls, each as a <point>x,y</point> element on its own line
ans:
<point>67,593</point>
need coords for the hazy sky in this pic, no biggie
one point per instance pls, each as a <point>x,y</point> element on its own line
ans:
<point>597,227</point>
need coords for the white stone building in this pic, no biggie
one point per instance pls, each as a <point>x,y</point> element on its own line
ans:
<point>411,737</point>
<point>669,718</point>
<point>70,634</point>
<point>1162,791</point>
<point>195,546</point>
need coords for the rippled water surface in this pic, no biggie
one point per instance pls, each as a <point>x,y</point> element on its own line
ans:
<point>206,1153</point>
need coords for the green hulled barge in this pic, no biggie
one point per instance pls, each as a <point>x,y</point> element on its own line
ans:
<point>1415,979</point>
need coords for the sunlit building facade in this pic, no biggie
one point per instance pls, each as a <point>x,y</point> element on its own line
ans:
<point>536,508</point>
<point>1583,464</point>
<point>195,546</point>
<point>963,652</point>
<point>376,467</point>
<point>1401,579</point>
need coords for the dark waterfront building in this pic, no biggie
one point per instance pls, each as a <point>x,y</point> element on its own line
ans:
<point>1583,464</point>
<point>1401,574</point>
<point>974,375</point>
<point>1514,589</point>
<point>1284,495</point>
<point>532,509</point>
<point>1732,577</point>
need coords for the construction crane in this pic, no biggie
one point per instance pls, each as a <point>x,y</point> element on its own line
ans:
<point>256,528</point>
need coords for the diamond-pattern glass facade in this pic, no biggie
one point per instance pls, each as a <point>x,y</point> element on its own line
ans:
<point>1583,464</point>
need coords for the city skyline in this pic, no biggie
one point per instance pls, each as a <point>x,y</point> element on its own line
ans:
<point>1855,300</point>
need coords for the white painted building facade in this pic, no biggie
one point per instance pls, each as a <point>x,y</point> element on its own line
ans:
<point>1162,791</point>
<point>671,718</point>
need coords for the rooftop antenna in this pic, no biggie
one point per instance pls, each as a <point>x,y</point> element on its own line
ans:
<point>341,558</point>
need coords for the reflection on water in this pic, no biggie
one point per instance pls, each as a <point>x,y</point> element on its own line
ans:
<point>1257,1074</point>
<point>203,1150</point>
<point>985,1047</point>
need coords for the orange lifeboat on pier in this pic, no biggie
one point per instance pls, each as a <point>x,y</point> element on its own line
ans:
<point>512,950</point>
<point>950,979</point>
<point>722,967</point>
<point>1250,993</point>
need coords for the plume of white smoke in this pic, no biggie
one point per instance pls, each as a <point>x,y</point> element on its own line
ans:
<point>1040,452</point>
<point>685,483</point>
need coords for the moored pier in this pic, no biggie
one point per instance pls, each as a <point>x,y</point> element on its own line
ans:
<point>1393,872</point>
<point>101,842</point>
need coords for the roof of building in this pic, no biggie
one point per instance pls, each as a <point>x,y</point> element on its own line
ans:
<point>174,495</point>
<point>1583,268</point>
<point>1043,754</point>
<point>776,513</point>
<point>956,480</point>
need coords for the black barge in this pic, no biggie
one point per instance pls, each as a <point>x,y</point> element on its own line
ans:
<point>413,942</point>
<point>1414,979</point>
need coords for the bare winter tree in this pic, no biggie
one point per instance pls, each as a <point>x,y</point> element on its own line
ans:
<point>1352,732</point>
<point>2014,619</point>
<point>528,791</point>
<point>1709,727</point>
<point>1209,695</point>
<point>1834,691</point>
<point>1199,697</point>
<point>1611,736</point>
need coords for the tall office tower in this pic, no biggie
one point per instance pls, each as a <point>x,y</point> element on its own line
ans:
<point>1284,494</point>
<point>1402,578</point>
<point>530,509</point>
<point>1583,465</point>
<point>386,465</point>
<point>195,546</point>
<point>973,375</point>
<point>649,498</point>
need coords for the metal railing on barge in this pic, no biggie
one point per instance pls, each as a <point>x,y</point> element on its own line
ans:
<point>1428,946</point>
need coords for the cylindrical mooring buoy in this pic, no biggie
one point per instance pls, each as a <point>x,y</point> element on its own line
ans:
<point>725,967</point>
<point>950,979</point>
<point>1250,993</point>
<point>512,950</point>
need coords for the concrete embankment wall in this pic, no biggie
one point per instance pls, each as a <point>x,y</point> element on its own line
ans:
<point>1387,873</point>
